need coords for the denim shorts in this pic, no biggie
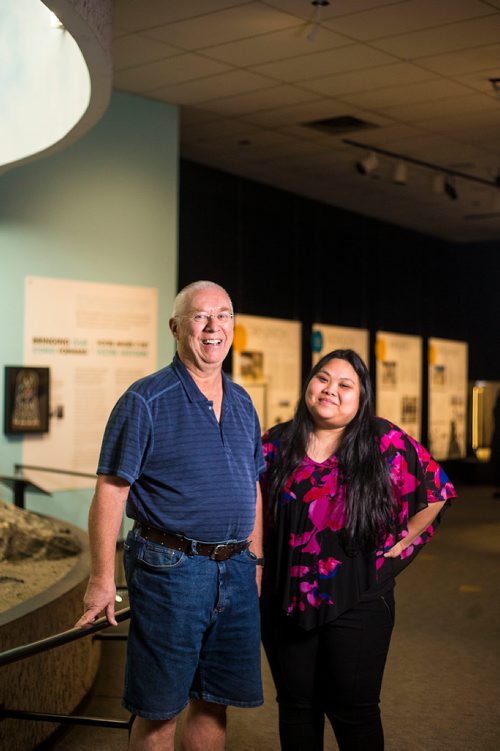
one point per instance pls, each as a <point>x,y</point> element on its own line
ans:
<point>194,630</point>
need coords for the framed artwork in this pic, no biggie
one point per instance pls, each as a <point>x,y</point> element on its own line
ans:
<point>26,402</point>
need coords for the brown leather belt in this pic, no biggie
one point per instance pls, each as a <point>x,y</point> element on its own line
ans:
<point>216,551</point>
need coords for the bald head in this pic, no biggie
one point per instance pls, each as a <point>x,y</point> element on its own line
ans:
<point>182,301</point>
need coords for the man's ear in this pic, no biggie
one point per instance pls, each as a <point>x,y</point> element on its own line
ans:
<point>174,328</point>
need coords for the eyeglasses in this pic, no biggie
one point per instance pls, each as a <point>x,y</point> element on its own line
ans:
<point>224,316</point>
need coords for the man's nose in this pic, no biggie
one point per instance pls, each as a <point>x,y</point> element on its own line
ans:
<point>212,322</point>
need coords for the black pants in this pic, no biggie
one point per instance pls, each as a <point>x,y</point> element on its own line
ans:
<point>335,670</point>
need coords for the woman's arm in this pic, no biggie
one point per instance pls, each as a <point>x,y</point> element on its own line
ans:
<point>416,525</point>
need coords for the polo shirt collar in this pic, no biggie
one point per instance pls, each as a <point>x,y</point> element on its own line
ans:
<point>193,392</point>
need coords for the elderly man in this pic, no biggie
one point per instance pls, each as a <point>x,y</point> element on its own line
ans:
<point>182,450</point>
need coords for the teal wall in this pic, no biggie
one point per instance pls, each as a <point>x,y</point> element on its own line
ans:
<point>103,210</point>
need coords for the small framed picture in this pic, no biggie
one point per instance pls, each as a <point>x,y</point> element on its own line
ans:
<point>26,403</point>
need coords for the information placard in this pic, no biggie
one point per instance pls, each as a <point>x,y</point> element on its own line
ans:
<point>96,339</point>
<point>399,380</point>
<point>326,338</point>
<point>267,363</point>
<point>447,362</point>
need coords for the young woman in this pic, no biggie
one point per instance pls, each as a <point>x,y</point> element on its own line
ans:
<point>349,500</point>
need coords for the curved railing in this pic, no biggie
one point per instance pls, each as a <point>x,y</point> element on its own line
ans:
<point>56,640</point>
<point>43,645</point>
<point>25,651</point>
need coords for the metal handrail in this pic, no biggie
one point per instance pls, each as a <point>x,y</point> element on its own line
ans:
<point>52,470</point>
<point>19,482</point>
<point>43,645</point>
<point>56,640</point>
<point>66,719</point>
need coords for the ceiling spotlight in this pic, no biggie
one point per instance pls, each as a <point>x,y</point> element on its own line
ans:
<point>400,174</point>
<point>438,184</point>
<point>449,188</point>
<point>318,4</point>
<point>368,164</point>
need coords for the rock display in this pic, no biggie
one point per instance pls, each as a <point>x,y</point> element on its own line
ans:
<point>24,534</point>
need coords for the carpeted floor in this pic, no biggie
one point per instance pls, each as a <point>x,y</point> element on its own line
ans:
<point>442,682</point>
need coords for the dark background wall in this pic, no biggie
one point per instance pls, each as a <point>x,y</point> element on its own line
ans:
<point>285,256</point>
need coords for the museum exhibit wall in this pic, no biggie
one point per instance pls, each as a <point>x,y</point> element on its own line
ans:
<point>103,210</point>
<point>284,256</point>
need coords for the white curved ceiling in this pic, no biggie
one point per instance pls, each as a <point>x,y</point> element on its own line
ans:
<point>55,79</point>
<point>45,81</point>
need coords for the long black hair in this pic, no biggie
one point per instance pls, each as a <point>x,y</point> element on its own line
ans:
<point>369,502</point>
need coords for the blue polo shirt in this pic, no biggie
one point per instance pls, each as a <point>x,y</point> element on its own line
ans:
<point>189,473</point>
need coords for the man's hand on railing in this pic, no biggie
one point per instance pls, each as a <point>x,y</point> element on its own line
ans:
<point>100,596</point>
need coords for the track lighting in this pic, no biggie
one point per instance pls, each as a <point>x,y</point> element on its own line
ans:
<point>443,178</point>
<point>367,165</point>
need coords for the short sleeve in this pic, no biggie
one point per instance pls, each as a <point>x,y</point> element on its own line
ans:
<point>417,481</point>
<point>127,438</point>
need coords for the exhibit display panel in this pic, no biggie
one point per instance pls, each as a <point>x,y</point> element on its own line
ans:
<point>326,338</point>
<point>399,380</point>
<point>267,363</point>
<point>485,417</point>
<point>96,339</point>
<point>447,363</point>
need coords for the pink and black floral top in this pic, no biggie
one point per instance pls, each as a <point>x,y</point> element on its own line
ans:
<point>308,574</point>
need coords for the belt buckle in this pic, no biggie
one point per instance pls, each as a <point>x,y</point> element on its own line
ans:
<point>218,549</point>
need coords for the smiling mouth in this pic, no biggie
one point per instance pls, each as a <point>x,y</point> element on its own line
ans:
<point>212,342</point>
